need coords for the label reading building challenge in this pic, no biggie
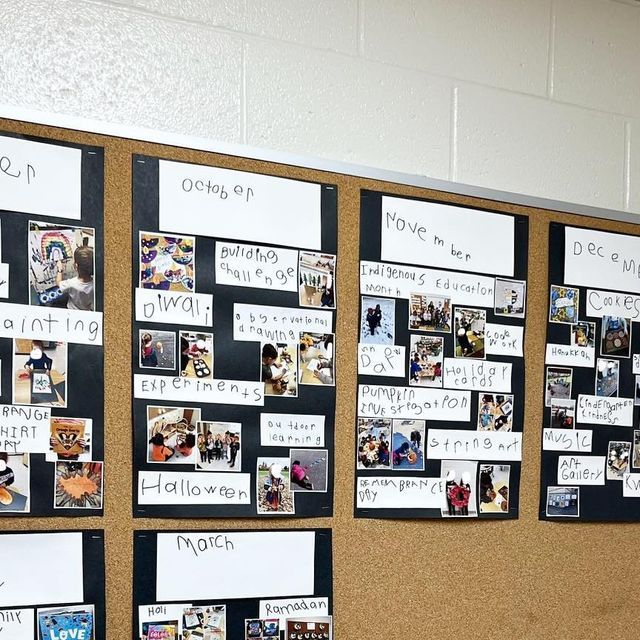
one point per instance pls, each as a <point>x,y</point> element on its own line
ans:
<point>590,435</point>
<point>440,360</point>
<point>233,346</point>
<point>51,353</point>
<point>249,585</point>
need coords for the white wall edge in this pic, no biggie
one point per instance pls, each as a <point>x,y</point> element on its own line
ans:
<point>64,121</point>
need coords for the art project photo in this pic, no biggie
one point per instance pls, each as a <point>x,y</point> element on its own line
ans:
<point>494,412</point>
<point>407,445</point>
<point>66,622</point>
<point>425,361</point>
<point>78,485</point>
<point>157,349</point>
<point>563,502</point>
<point>309,468</point>
<point>196,355</point>
<point>564,305</point>
<point>317,280</point>
<point>374,443</point>
<point>378,320</point>
<point>317,358</point>
<point>14,483</point>
<point>510,297</point>
<point>40,373</point>
<point>469,331</point>
<point>219,446</point>
<point>305,628</point>
<point>460,488</point>
<point>167,262</point>
<point>279,369</point>
<point>273,486</point>
<point>70,439</point>
<point>172,434</point>
<point>429,312</point>
<point>204,622</point>
<point>493,488</point>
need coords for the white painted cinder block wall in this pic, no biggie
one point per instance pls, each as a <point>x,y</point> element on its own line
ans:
<point>540,97</point>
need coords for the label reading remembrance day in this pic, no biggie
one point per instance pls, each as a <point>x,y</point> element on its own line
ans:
<point>440,405</point>
<point>234,378</point>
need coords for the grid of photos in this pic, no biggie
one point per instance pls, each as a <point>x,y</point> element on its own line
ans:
<point>234,357</point>
<point>433,332</point>
<point>53,359</point>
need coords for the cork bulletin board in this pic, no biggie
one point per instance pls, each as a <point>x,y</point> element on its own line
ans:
<point>393,579</point>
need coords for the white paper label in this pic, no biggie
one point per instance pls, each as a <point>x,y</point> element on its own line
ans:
<point>581,469</point>
<point>400,281</point>
<point>382,360</point>
<point>173,307</point>
<point>294,608</point>
<point>477,375</point>
<point>16,624</point>
<point>377,492</point>
<point>291,430</point>
<point>462,444</point>
<point>191,487</point>
<point>4,280</point>
<point>412,402</point>
<point>608,303</point>
<point>564,354</point>
<point>160,613</point>
<point>614,412</point>
<point>24,429</point>
<point>578,440</point>
<point>40,178</point>
<point>223,203</point>
<point>631,485</point>
<point>259,323</point>
<point>223,565</point>
<point>23,556</point>
<point>601,259</point>
<point>251,265</point>
<point>503,340</point>
<point>443,235</point>
<point>170,389</point>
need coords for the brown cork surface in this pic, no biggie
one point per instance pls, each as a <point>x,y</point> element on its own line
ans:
<point>392,579</point>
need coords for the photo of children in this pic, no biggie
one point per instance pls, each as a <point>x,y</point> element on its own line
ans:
<point>61,266</point>
<point>264,629</point>
<point>493,488</point>
<point>618,460</point>
<point>157,349</point>
<point>563,413</point>
<point>273,489</point>
<point>69,439</point>
<point>615,338</point>
<point>317,628</point>
<point>204,622</point>
<point>317,280</point>
<point>607,377</point>
<point>563,501</point>
<point>428,312</point>
<point>495,412</point>
<point>78,485</point>
<point>317,358</point>
<point>279,369</point>
<point>510,297</point>
<point>460,488</point>
<point>167,262</point>
<point>67,623</point>
<point>406,445</point>
<point>558,384</point>
<point>219,447</point>
<point>635,460</point>
<point>40,372</point>
<point>583,334</point>
<point>374,443</point>
<point>196,355</point>
<point>469,331</point>
<point>172,434</point>
<point>378,320</point>
<point>15,482</point>
<point>425,361</point>
<point>308,470</point>
<point>564,304</point>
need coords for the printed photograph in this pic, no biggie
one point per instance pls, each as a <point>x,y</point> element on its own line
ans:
<point>40,372</point>
<point>615,339</point>
<point>61,266</point>
<point>67,623</point>
<point>157,349</point>
<point>583,334</point>
<point>460,488</point>
<point>374,442</point>
<point>607,377</point>
<point>558,386</point>
<point>425,361</point>
<point>204,622</point>
<point>636,396</point>
<point>493,488</point>
<point>172,434</point>
<point>309,469</point>
<point>378,320</point>
<point>428,312</point>
<point>635,460</point>
<point>273,488</point>
<point>161,630</point>
<point>510,297</point>
<point>618,460</point>
<point>563,413</point>
<point>69,439</point>
<point>320,628</point>
<point>407,448</point>
<point>317,358</point>
<point>219,446</point>
<point>564,304</point>
<point>167,262</point>
<point>469,329</point>
<point>78,485</point>
<point>495,412</point>
<point>196,355</point>
<point>15,482</point>
<point>317,279</point>
<point>279,366</point>
<point>563,502</point>
<point>264,628</point>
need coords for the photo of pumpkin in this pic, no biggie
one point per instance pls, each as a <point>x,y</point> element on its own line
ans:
<point>78,485</point>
